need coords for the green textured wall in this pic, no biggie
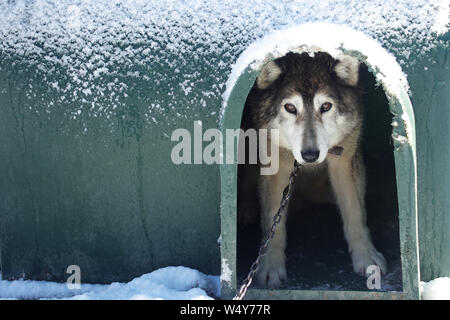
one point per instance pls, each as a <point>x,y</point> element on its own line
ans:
<point>97,192</point>
<point>429,80</point>
<point>90,94</point>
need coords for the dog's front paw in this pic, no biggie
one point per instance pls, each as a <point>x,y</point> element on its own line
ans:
<point>272,271</point>
<point>366,256</point>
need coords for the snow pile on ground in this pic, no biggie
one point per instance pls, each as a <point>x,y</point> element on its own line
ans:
<point>437,289</point>
<point>170,283</point>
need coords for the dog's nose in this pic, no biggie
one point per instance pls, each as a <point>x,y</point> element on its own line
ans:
<point>310,155</point>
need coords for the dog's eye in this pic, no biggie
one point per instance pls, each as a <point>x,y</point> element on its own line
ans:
<point>325,107</point>
<point>290,108</point>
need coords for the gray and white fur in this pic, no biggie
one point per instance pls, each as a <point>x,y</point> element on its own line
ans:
<point>315,104</point>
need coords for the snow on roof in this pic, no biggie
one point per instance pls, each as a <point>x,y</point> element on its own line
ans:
<point>334,39</point>
<point>175,56</point>
<point>314,37</point>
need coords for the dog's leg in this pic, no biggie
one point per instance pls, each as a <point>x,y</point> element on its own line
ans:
<point>348,182</point>
<point>273,268</point>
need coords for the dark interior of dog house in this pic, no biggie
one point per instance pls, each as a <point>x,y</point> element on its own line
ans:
<point>317,257</point>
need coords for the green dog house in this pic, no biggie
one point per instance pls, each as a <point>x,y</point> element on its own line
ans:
<point>91,93</point>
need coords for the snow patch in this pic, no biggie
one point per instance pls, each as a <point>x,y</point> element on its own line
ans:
<point>170,283</point>
<point>226,272</point>
<point>441,22</point>
<point>437,289</point>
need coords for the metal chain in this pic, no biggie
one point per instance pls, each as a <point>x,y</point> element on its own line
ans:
<point>287,192</point>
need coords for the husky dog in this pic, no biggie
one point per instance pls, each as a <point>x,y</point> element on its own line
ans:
<point>315,103</point>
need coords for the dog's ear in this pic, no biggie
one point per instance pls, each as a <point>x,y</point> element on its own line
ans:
<point>347,69</point>
<point>268,75</point>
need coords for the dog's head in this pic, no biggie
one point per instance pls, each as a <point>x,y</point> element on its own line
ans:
<point>312,101</point>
